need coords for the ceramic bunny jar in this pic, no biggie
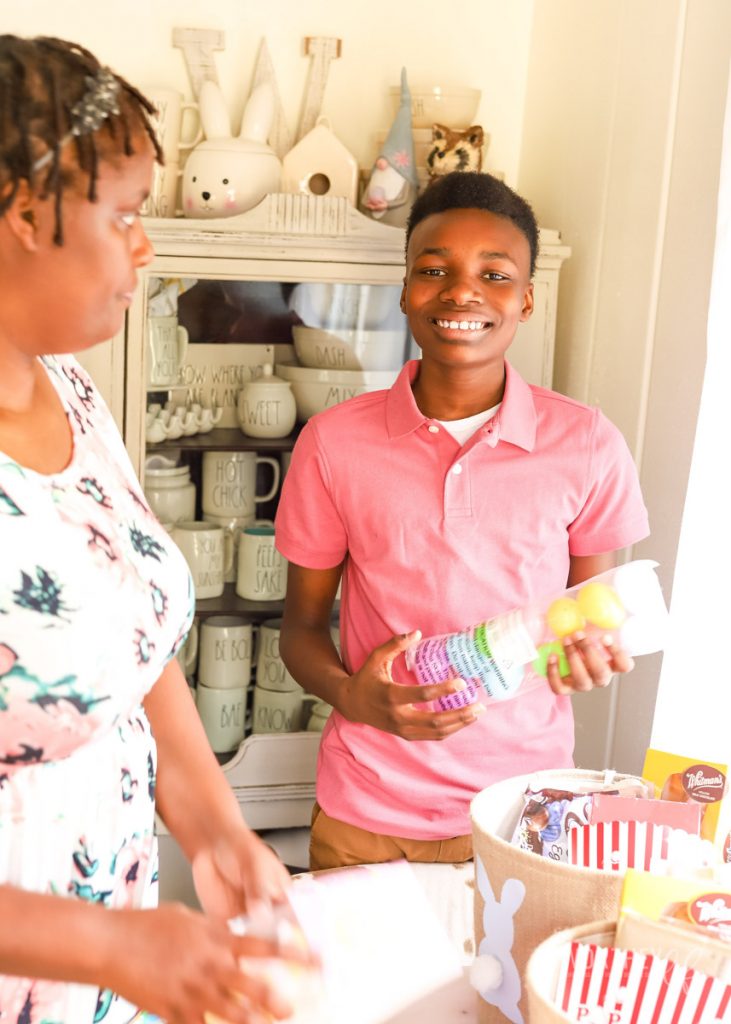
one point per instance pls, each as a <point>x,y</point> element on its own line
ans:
<point>224,175</point>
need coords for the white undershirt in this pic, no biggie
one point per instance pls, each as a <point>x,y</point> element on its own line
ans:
<point>462,430</point>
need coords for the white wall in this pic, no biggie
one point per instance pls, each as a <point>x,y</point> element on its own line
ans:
<point>478,43</point>
<point>621,149</point>
<point>692,677</point>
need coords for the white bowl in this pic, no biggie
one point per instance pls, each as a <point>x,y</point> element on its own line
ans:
<point>317,389</point>
<point>450,105</point>
<point>347,305</point>
<point>349,350</point>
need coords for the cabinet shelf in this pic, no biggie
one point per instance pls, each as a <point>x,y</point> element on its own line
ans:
<point>229,603</point>
<point>224,439</point>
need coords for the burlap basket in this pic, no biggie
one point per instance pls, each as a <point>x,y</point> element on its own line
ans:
<point>542,896</point>
<point>541,973</point>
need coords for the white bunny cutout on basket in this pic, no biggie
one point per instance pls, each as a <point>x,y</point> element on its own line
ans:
<point>494,973</point>
<point>225,175</point>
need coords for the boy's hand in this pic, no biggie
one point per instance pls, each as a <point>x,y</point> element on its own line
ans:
<point>370,696</point>
<point>592,664</point>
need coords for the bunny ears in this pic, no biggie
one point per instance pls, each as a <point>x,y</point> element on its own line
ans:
<point>256,122</point>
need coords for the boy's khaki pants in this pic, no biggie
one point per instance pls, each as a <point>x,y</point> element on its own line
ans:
<point>334,844</point>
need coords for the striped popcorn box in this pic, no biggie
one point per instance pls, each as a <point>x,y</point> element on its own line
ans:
<point>598,985</point>
<point>618,845</point>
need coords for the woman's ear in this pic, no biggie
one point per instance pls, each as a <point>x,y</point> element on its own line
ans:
<point>21,217</point>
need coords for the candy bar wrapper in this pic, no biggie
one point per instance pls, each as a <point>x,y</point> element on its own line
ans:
<point>598,985</point>
<point>692,781</point>
<point>550,814</point>
<point>548,818</point>
<point>510,652</point>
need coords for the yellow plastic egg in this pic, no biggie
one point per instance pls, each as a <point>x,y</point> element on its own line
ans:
<point>564,617</point>
<point>601,605</point>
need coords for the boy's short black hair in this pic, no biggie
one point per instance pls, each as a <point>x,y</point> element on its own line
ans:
<point>465,190</point>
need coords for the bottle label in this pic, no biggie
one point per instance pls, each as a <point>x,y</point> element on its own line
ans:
<point>510,641</point>
<point>491,656</point>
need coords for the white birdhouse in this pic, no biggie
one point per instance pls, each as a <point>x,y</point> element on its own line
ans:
<point>320,165</point>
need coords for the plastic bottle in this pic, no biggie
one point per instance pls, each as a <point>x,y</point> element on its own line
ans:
<point>625,602</point>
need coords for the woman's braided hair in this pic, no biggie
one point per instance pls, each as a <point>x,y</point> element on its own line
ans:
<point>41,81</point>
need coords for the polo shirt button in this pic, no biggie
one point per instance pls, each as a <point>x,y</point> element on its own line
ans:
<point>457,469</point>
<point>433,429</point>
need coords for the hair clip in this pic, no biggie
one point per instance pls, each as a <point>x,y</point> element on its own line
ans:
<point>97,104</point>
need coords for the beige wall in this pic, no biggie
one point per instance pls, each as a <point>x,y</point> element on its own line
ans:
<point>478,43</point>
<point>621,149</point>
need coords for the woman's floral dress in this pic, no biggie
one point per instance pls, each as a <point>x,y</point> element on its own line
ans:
<point>94,600</point>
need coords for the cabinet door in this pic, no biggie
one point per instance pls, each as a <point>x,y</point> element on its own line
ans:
<point>240,318</point>
<point>532,350</point>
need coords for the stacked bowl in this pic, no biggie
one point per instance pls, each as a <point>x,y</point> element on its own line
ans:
<point>349,348</point>
<point>353,340</point>
<point>316,389</point>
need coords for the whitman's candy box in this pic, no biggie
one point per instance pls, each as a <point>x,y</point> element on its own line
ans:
<point>682,919</point>
<point>685,779</point>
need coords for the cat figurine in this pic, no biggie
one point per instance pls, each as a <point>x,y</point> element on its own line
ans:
<point>455,150</point>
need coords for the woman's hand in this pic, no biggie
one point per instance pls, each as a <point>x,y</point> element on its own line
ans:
<point>182,965</point>
<point>371,696</point>
<point>592,664</point>
<point>237,873</point>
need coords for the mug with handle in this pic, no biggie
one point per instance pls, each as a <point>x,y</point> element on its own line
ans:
<point>222,711</point>
<point>207,553</point>
<point>276,710</point>
<point>167,343</point>
<point>163,198</point>
<point>262,571</point>
<point>271,672</point>
<point>170,109</point>
<point>229,483</point>
<point>188,654</point>
<point>224,661</point>
<point>233,526</point>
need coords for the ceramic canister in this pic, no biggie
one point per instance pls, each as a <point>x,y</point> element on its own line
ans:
<point>170,493</point>
<point>266,407</point>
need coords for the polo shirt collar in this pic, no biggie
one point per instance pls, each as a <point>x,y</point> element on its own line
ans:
<point>516,418</point>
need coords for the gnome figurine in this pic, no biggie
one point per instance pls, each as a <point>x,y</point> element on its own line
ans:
<point>393,183</point>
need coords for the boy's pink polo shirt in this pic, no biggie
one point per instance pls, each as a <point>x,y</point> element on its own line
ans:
<point>437,537</point>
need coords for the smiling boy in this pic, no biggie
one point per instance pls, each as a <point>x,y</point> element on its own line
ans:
<point>458,494</point>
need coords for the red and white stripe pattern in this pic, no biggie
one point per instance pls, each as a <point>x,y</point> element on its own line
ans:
<point>618,845</point>
<point>598,985</point>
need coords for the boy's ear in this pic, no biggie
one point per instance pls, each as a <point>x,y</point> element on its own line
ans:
<point>21,217</point>
<point>527,309</point>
